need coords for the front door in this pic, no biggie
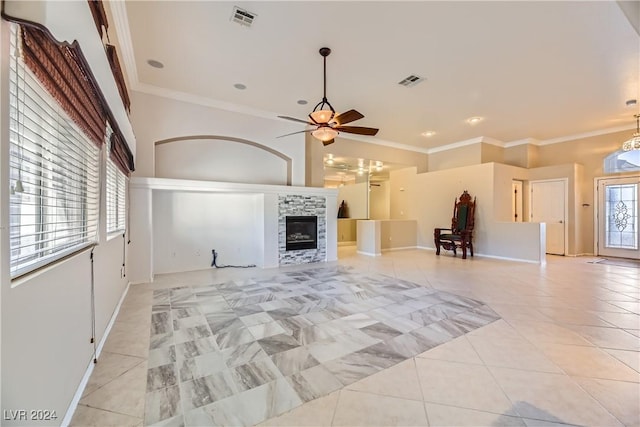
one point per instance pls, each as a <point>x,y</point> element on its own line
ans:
<point>548,205</point>
<point>618,231</point>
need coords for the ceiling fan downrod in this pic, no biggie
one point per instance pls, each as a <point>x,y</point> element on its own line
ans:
<point>321,106</point>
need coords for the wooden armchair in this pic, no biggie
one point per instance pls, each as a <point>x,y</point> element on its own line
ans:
<point>460,235</point>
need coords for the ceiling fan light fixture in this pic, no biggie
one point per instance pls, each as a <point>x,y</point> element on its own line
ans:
<point>324,133</point>
<point>634,142</point>
<point>322,116</point>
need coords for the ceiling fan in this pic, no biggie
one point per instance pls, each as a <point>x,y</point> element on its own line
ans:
<point>327,125</point>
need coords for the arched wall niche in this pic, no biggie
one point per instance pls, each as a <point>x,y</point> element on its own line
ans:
<point>221,158</point>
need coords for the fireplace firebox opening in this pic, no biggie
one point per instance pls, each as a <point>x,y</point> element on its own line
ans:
<point>301,232</point>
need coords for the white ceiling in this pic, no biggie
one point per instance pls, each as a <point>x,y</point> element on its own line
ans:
<point>544,69</point>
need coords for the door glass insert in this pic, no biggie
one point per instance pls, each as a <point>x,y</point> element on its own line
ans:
<point>621,223</point>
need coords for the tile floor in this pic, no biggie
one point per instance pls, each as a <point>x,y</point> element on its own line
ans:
<point>564,351</point>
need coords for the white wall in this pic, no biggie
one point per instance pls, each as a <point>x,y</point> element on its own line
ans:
<point>429,198</point>
<point>187,226</point>
<point>379,202</point>
<point>157,118</point>
<point>47,328</point>
<point>219,160</point>
<point>356,198</point>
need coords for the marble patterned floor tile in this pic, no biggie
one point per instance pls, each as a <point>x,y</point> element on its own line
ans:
<point>161,340</point>
<point>201,366</point>
<point>161,377</point>
<point>314,382</point>
<point>203,391</point>
<point>278,343</point>
<point>256,319</point>
<point>264,330</point>
<point>294,360</point>
<point>247,408</point>
<point>243,354</point>
<point>191,334</point>
<point>380,331</point>
<point>310,334</point>
<point>349,369</point>
<point>188,322</point>
<point>246,350</point>
<point>316,413</point>
<point>234,337</point>
<point>162,404</point>
<point>195,348</point>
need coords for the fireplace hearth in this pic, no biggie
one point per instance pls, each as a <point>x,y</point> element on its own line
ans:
<point>301,232</point>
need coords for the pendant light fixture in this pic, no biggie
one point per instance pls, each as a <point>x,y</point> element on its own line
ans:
<point>634,142</point>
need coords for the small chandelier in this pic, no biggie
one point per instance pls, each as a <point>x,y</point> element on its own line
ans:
<point>634,142</point>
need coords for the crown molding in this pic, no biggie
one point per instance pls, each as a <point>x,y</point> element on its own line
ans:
<point>121,25</point>
<point>525,141</point>
<point>586,135</point>
<point>466,142</point>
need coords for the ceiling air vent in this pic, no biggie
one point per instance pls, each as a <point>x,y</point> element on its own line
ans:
<point>410,81</point>
<point>242,17</point>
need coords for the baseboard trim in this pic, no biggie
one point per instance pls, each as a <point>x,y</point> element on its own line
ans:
<point>369,253</point>
<point>403,248</point>
<point>352,243</point>
<point>85,378</point>
<point>529,261</point>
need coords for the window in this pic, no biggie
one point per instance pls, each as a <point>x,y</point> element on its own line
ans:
<point>53,172</point>
<point>116,209</point>
<point>622,161</point>
<point>621,216</point>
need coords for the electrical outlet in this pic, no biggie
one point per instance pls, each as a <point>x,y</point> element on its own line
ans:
<point>197,252</point>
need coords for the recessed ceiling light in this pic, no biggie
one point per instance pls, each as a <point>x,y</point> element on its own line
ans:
<point>155,64</point>
<point>474,120</point>
<point>428,133</point>
<point>302,101</point>
<point>240,86</point>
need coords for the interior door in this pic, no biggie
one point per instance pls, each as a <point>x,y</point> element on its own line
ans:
<point>548,205</point>
<point>617,217</point>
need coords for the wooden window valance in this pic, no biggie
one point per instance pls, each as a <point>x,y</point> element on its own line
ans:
<point>120,153</point>
<point>117,74</point>
<point>99,16</point>
<point>62,70</point>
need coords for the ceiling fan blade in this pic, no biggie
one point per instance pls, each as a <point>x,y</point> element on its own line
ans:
<point>331,141</point>
<point>297,120</point>
<point>293,133</point>
<point>348,117</point>
<point>360,130</point>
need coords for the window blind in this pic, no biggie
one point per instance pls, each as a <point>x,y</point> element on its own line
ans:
<point>116,208</point>
<point>53,168</point>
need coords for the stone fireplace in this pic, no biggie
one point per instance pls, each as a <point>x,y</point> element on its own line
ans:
<point>300,216</point>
